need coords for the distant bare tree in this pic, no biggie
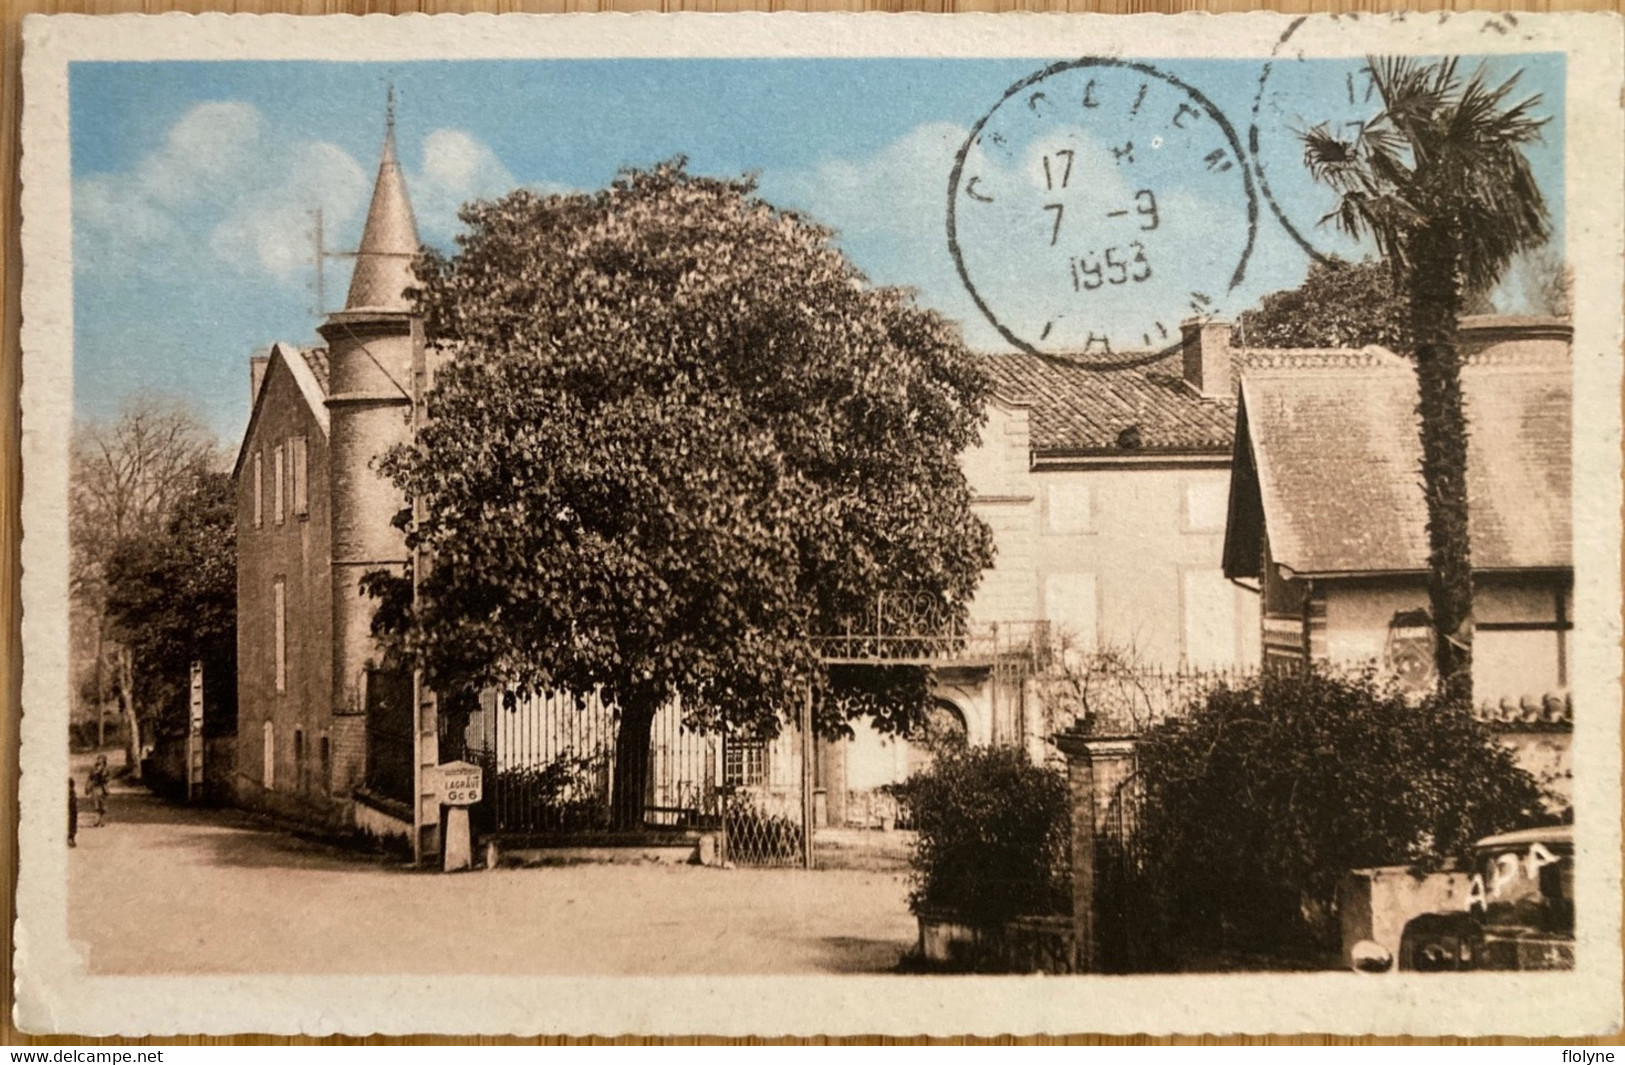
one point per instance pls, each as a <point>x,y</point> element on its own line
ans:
<point>1540,281</point>
<point>126,477</point>
<point>1107,689</point>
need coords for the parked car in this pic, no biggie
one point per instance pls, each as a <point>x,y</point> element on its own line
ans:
<point>1519,913</point>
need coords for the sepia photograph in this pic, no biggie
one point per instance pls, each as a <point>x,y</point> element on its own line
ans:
<point>796,524</point>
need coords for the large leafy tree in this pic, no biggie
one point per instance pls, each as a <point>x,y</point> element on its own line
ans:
<point>678,436</point>
<point>1438,179</point>
<point>1339,305</point>
<point>172,600</point>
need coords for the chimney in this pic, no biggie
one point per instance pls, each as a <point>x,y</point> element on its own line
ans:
<point>1206,345</point>
<point>257,365</point>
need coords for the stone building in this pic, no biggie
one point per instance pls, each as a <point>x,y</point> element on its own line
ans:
<point>324,730</point>
<point>1107,494</point>
<point>1328,519</point>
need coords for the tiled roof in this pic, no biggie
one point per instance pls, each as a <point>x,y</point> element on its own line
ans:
<point>1079,409</point>
<point>1338,459</point>
<point>308,368</point>
<point>316,359</point>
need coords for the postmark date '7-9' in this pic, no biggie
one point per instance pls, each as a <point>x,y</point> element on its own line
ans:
<point>1080,215</point>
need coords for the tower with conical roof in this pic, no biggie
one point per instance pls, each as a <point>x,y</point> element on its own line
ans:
<point>372,345</point>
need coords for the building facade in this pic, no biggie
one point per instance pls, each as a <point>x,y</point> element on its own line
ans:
<point>1107,493</point>
<point>1328,520</point>
<point>326,728</point>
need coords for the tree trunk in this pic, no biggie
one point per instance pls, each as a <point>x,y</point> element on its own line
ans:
<point>101,683</point>
<point>132,720</point>
<point>632,763</point>
<point>1435,305</point>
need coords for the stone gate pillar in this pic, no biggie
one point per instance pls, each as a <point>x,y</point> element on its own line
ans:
<point>1096,766</point>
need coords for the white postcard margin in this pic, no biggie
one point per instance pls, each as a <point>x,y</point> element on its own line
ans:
<point>54,993</point>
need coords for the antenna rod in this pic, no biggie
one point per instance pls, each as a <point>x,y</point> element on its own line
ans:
<point>321,257</point>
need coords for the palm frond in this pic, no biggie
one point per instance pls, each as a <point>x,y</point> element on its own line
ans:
<point>1443,149</point>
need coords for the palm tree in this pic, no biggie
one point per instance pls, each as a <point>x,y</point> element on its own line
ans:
<point>1439,181</point>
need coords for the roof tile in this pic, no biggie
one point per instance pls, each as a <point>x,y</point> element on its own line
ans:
<point>1338,455</point>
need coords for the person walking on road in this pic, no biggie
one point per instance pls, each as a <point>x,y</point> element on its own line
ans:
<point>96,790</point>
<point>73,813</point>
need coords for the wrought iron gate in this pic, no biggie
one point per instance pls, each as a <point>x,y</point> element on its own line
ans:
<point>764,816</point>
<point>1127,923</point>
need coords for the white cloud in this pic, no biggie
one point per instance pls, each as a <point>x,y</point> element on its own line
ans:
<point>216,192</point>
<point>890,212</point>
<point>901,189</point>
<point>455,168</point>
<point>205,152</point>
<point>121,220</point>
<point>270,227</point>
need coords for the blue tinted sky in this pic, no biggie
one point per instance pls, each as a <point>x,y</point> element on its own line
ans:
<point>194,182</point>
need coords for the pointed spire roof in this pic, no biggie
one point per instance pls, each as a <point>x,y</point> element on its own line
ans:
<point>383,262</point>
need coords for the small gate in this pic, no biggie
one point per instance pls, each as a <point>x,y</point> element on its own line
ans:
<point>391,751</point>
<point>763,812</point>
<point>1127,926</point>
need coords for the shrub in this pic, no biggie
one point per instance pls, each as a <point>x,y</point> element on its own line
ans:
<point>564,795</point>
<point>1264,795</point>
<point>994,834</point>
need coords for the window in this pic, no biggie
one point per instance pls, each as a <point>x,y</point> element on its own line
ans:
<point>744,763</point>
<point>278,471</point>
<point>1069,508</point>
<point>324,747</point>
<point>299,768</point>
<point>268,755</point>
<point>1071,608</point>
<point>259,489</point>
<point>1208,603</point>
<point>1207,504</point>
<point>299,472</point>
<point>279,621</point>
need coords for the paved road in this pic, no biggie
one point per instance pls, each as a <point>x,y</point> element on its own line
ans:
<point>164,888</point>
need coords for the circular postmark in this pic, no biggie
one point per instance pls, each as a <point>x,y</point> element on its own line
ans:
<point>1297,93</point>
<point>1096,206</point>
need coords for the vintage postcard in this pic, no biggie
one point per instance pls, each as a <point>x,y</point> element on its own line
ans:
<point>828,524</point>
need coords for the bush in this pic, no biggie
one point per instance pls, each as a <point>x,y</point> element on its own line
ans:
<point>1264,795</point>
<point>565,795</point>
<point>994,836</point>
